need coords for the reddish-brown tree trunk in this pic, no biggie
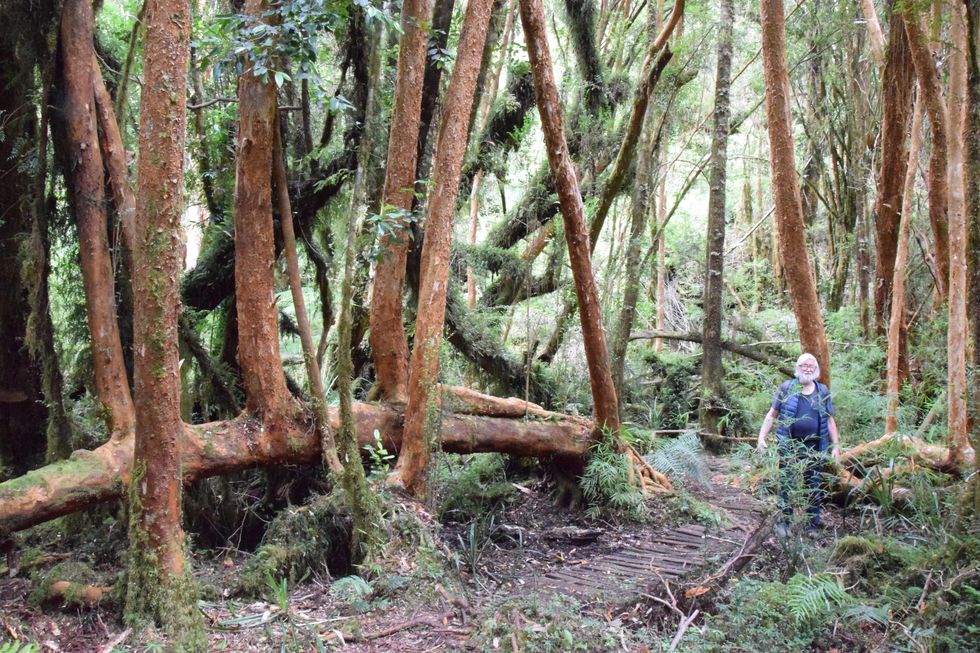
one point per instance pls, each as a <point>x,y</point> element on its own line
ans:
<point>258,330</point>
<point>875,35</point>
<point>157,587</point>
<point>898,83</point>
<point>956,338</point>
<point>87,186</point>
<point>897,322</point>
<point>938,182</point>
<point>786,188</point>
<point>423,375</point>
<point>388,341</point>
<point>114,154</point>
<point>604,400</point>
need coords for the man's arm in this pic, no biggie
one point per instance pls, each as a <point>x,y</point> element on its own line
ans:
<point>834,437</point>
<point>767,426</point>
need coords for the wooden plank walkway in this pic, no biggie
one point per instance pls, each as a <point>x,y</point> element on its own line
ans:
<point>668,555</point>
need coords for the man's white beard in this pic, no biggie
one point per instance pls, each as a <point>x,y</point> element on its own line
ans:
<point>805,378</point>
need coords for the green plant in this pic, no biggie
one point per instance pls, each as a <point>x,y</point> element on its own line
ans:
<point>278,590</point>
<point>810,597</point>
<point>607,487</point>
<point>19,647</point>
<point>680,457</point>
<point>381,459</point>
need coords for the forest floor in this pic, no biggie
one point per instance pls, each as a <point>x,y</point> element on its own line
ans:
<point>530,571</point>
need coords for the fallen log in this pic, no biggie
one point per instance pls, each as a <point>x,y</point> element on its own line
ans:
<point>734,347</point>
<point>88,478</point>
<point>932,455</point>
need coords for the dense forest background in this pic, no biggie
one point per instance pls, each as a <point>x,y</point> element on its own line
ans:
<point>310,290</point>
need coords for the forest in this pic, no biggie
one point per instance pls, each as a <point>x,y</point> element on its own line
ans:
<point>489,325</point>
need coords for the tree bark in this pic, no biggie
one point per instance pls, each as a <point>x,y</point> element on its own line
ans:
<point>896,323</point>
<point>409,472</point>
<point>898,83</point>
<point>786,188</point>
<point>388,340</point>
<point>258,330</point>
<point>712,373</point>
<point>87,186</point>
<point>972,132</point>
<point>439,27</point>
<point>938,186</point>
<point>157,586</point>
<point>874,32</point>
<point>956,338</point>
<point>605,403</point>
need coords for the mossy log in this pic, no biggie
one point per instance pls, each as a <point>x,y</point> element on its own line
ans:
<point>92,477</point>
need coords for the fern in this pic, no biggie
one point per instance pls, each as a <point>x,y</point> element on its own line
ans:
<point>18,647</point>
<point>351,588</point>
<point>867,614</point>
<point>679,457</point>
<point>607,487</point>
<point>809,597</point>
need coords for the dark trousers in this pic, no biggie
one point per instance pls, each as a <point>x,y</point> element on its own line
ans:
<point>801,459</point>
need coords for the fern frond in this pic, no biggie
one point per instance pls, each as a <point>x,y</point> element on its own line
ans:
<point>809,597</point>
<point>679,457</point>
<point>867,613</point>
<point>18,647</point>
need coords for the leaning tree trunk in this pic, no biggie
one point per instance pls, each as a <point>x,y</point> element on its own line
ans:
<point>605,403</point>
<point>258,331</point>
<point>938,186</point>
<point>712,373</point>
<point>898,82</point>
<point>786,188</point>
<point>159,588</point>
<point>87,188</point>
<point>388,341</point>
<point>423,375</point>
<point>604,400</point>
<point>956,338</point>
<point>896,323</point>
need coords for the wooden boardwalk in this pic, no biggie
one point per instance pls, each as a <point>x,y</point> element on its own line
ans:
<point>668,555</point>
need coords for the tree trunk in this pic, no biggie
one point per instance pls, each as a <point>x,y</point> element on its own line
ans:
<point>874,32</point>
<point>605,403</point>
<point>388,341</point>
<point>896,323</point>
<point>87,184</point>
<point>712,373</point>
<point>661,241</point>
<point>956,339</point>
<point>409,472</point>
<point>898,81</point>
<point>972,132</point>
<point>258,330</point>
<point>439,28</point>
<point>786,189</point>
<point>932,95</point>
<point>22,413</point>
<point>159,588</point>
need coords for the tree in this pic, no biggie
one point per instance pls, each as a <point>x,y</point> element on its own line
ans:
<point>86,182</point>
<point>388,340</point>
<point>158,587</point>
<point>604,401</point>
<point>786,188</point>
<point>423,401</point>
<point>712,373</point>
<point>898,82</point>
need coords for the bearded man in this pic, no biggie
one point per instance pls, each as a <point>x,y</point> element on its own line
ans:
<point>804,417</point>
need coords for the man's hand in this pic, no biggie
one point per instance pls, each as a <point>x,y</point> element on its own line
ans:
<point>760,446</point>
<point>835,451</point>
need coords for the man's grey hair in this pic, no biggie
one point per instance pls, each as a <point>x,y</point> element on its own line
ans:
<point>808,357</point>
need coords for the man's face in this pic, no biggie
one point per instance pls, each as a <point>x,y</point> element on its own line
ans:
<point>807,370</point>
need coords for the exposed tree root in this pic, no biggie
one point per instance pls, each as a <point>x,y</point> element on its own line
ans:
<point>77,593</point>
<point>643,475</point>
<point>930,455</point>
